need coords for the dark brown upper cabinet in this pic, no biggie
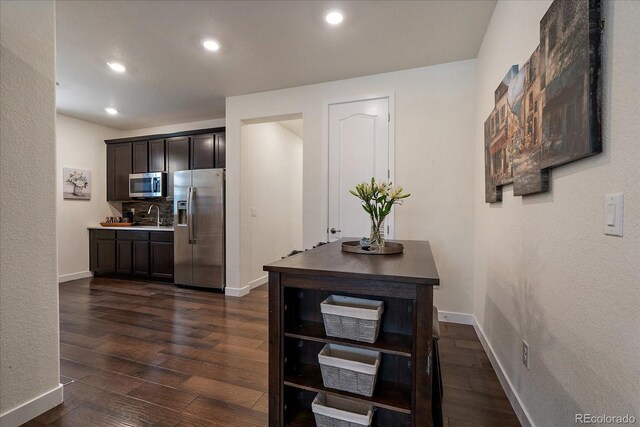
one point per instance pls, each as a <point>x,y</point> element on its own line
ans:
<point>202,151</point>
<point>140,157</point>
<point>149,156</point>
<point>119,166</point>
<point>177,159</point>
<point>157,158</point>
<point>169,152</point>
<point>220,151</point>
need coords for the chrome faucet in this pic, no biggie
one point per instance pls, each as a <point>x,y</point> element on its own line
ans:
<point>149,213</point>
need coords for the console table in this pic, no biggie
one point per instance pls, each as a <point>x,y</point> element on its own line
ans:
<point>297,286</point>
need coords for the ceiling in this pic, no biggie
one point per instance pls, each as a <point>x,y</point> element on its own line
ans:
<point>265,45</point>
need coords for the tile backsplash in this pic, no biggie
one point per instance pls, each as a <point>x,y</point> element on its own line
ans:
<point>141,208</point>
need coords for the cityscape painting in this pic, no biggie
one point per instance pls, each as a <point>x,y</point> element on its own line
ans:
<point>547,112</point>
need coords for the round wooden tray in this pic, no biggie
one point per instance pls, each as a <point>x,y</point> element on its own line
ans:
<point>389,248</point>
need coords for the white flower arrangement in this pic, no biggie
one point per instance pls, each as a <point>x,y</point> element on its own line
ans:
<point>78,180</point>
<point>377,201</point>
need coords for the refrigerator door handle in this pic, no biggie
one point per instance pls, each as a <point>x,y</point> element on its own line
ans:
<point>190,222</point>
<point>189,214</point>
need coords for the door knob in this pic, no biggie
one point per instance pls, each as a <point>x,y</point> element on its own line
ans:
<point>334,231</point>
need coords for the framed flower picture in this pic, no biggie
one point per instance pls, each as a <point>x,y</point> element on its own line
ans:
<point>76,184</point>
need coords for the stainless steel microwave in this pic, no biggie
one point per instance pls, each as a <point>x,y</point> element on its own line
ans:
<point>153,184</point>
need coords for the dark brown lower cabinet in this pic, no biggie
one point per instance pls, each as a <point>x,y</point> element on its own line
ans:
<point>125,257</point>
<point>141,258</point>
<point>161,260</point>
<point>102,250</point>
<point>105,256</point>
<point>143,254</point>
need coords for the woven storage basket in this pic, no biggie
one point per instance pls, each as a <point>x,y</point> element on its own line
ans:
<point>332,411</point>
<point>352,318</point>
<point>349,369</point>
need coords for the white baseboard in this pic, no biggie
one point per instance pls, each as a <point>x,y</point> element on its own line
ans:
<point>31,409</point>
<point>259,281</point>
<point>453,317</point>
<point>507,386</point>
<point>74,276</point>
<point>237,292</point>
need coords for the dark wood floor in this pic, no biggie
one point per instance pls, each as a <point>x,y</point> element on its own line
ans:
<point>137,354</point>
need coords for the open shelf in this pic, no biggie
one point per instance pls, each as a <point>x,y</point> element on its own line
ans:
<point>404,284</point>
<point>387,342</point>
<point>392,396</point>
<point>303,418</point>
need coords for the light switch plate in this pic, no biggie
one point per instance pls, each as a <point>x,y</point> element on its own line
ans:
<point>613,214</point>
<point>254,212</point>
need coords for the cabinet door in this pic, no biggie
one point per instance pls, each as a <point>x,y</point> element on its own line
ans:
<point>124,257</point>
<point>220,150</point>
<point>118,169</point>
<point>140,157</point>
<point>156,156</point>
<point>141,258</point>
<point>177,159</point>
<point>105,256</point>
<point>202,151</point>
<point>161,259</point>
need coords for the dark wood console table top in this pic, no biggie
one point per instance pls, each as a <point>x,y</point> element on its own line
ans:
<point>297,286</point>
<point>414,265</point>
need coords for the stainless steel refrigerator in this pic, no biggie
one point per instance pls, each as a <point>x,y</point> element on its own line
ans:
<point>198,208</point>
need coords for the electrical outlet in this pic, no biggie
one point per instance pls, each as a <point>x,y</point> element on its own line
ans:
<point>525,354</point>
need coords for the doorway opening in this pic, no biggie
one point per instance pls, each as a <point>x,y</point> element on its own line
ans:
<point>271,197</point>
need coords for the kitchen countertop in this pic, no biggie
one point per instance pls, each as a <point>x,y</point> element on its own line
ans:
<point>134,228</point>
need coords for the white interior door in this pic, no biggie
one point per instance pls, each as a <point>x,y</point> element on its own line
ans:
<point>358,150</point>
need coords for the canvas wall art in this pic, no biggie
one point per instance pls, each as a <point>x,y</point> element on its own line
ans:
<point>547,112</point>
<point>76,184</point>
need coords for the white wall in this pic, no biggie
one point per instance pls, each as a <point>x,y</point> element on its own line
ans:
<point>274,177</point>
<point>434,137</point>
<point>178,127</point>
<point>80,144</point>
<point>29,349</point>
<point>544,270</point>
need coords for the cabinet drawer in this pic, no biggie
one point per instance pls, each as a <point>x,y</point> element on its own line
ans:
<point>104,234</point>
<point>133,235</point>
<point>161,236</point>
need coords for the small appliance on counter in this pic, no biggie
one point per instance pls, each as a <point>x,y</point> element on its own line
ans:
<point>199,246</point>
<point>152,184</point>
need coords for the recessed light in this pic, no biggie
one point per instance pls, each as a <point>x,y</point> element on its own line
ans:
<point>333,16</point>
<point>117,67</point>
<point>111,111</point>
<point>211,45</point>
